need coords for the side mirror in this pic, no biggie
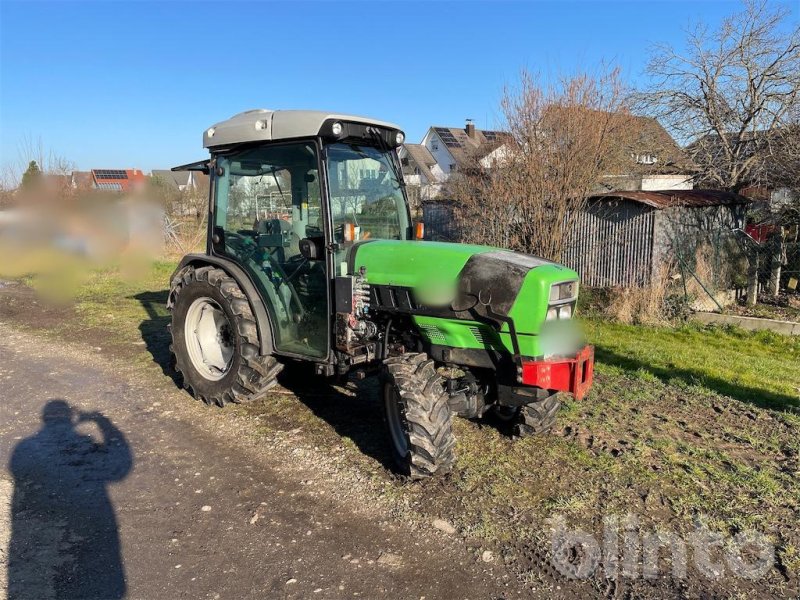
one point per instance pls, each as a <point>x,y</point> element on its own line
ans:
<point>312,248</point>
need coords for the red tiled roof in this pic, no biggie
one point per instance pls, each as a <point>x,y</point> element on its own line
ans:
<point>117,179</point>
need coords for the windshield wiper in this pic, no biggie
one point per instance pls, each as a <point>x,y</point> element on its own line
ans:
<point>391,156</point>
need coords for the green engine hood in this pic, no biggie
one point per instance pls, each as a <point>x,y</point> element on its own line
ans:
<point>508,283</point>
<point>412,263</point>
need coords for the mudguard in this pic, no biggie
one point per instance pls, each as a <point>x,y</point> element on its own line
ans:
<point>240,276</point>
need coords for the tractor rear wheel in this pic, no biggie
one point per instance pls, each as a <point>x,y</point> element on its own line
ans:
<point>535,418</point>
<point>417,414</point>
<point>215,339</point>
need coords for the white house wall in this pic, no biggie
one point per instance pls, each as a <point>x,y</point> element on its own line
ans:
<point>654,183</point>
<point>439,151</point>
<point>495,157</point>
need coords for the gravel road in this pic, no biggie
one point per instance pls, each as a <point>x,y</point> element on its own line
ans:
<point>108,490</point>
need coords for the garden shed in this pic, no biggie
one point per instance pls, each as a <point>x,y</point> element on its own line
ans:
<point>627,238</point>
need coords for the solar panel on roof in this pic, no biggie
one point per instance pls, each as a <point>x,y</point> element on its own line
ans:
<point>111,174</point>
<point>447,137</point>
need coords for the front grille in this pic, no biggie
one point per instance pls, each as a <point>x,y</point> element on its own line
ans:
<point>433,333</point>
<point>479,336</point>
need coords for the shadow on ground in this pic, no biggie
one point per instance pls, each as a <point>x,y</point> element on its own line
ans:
<point>357,416</point>
<point>755,396</point>
<point>64,535</point>
<point>154,331</point>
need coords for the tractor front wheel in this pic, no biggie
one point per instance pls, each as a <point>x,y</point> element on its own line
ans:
<point>417,414</point>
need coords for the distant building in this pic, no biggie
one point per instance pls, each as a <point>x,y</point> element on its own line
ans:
<point>117,180</point>
<point>650,158</point>
<point>624,238</point>
<point>82,180</point>
<point>180,180</point>
<point>454,148</point>
<point>656,162</point>
<point>772,178</point>
<point>421,172</point>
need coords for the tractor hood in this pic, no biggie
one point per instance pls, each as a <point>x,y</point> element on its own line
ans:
<point>485,282</point>
<point>412,263</point>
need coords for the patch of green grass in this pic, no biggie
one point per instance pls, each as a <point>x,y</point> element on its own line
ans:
<point>762,368</point>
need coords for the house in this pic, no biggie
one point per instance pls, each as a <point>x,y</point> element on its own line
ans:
<point>421,172</point>
<point>180,180</point>
<point>444,151</point>
<point>626,238</point>
<point>771,158</point>
<point>649,157</point>
<point>82,180</point>
<point>650,160</point>
<point>118,180</point>
<point>455,148</point>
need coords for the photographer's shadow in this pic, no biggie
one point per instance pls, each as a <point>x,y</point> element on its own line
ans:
<point>64,537</point>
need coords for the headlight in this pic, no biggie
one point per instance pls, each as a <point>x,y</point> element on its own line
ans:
<point>336,129</point>
<point>399,138</point>
<point>564,291</point>
<point>563,311</point>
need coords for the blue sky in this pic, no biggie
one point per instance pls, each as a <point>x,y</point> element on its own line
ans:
<point>115,84</point>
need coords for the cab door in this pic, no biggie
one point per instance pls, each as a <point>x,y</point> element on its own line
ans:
<point>267,199</point>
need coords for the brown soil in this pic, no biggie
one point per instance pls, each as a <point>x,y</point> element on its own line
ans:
<point>586,469</point>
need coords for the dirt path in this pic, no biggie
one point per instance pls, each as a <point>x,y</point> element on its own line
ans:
<point>110,491</point>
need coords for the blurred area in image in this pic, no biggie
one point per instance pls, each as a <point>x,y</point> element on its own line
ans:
<point>57,228</point>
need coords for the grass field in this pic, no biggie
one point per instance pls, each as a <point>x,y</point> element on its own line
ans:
<point>756,367</point>
<point>682,424</point>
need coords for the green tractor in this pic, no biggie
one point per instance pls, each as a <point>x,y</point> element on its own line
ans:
<point>312,256</point>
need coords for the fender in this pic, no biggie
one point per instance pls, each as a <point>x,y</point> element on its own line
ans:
<point>263,322</point>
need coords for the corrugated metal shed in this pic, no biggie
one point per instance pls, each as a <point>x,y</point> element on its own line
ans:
<point>612,244</point>
<point>624,238</point>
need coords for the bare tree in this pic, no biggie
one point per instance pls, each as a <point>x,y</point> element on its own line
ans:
<point>561,140</point>
<point>732,93</point>
<point>49,161</point>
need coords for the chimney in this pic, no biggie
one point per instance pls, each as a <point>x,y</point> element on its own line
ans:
<point>470,129</point>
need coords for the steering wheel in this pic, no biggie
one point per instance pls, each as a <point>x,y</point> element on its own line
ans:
<point>247,244</point>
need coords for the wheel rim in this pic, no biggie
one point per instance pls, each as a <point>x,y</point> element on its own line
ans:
<point>394,418</point>
<point>209,339</point>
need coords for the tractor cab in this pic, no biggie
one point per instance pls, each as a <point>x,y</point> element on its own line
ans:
<point>292,191</point>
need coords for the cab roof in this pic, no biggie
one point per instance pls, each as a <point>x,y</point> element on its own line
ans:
<point>261,124</point>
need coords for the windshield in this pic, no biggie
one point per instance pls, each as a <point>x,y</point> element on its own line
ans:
<point>365,192</point>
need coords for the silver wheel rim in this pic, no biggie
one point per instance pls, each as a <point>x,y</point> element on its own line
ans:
<point>395,420</point>
<point>209,339</point>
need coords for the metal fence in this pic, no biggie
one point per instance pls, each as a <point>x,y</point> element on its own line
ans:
<point>440,221</point>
